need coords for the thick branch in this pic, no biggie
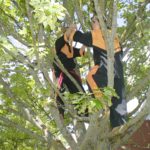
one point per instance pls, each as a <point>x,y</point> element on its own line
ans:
<point>98,128</point>
<point>79,14</point>
<point>60,65</point>
<point>29,13</point>
<point>109,40</point>
<point>62,128</point>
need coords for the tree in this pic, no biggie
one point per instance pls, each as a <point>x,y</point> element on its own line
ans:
<point>29,118</point>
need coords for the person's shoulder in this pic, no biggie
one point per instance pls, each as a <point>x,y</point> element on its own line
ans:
<point>84,33</point>
<point>61,38</point>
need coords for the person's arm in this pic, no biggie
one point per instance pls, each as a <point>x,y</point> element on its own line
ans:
<point>73,35</point>
<point>79,52</point>
<point>84,38</point>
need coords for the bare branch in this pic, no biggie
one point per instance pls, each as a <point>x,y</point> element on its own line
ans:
<point>62,128</point>
<point>32,29</point>
<point>22,129</point>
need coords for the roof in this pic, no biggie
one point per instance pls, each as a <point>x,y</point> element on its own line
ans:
<point>140,140</point>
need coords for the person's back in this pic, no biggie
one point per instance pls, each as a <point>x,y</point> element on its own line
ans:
<point>66,54</point>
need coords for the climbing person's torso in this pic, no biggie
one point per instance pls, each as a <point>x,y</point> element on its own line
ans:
<point>100,52</point>
<point>66,57</point>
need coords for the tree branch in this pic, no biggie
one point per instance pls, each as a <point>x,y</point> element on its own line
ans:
<point>62,128</point>
<point>22,129</point>
<point>131,27</point>
<point>139,86</point>
<point>29,114</point>
<point>32,29</point>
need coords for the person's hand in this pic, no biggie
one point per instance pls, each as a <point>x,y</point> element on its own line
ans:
<point>82,50</point>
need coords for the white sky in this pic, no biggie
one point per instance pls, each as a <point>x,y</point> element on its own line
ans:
<point>132,104</point>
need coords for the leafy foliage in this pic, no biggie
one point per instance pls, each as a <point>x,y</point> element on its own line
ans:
<point>46,12</point>
<point>28,30</point>
<point>83,101</point>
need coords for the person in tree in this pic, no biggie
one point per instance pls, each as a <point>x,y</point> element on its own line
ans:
<point>97,76</point>
<point>66,54</point>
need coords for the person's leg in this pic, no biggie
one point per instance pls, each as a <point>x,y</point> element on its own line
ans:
<point>94,81</point>
<point>97,78</point>
<point>70,85</point>
<point>116,119</point>
<point>60,103</point>
<point>118,109</point>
